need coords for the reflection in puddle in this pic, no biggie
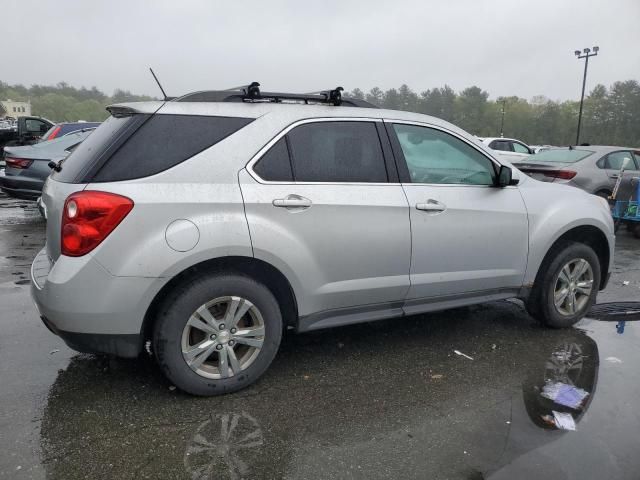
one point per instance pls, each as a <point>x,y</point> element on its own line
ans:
<point>223,447</point>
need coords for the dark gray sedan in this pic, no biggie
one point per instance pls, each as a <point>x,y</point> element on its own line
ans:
<point>591,168</point>
<point>27,167</point>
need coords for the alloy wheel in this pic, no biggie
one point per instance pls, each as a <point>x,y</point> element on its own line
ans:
<point>573,287</point>
<point>223,337</point>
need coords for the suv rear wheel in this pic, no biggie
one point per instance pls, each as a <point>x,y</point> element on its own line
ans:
<point>566,286</point>
<point>217,333</point>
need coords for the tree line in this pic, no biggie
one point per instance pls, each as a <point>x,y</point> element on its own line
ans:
<point>611,115</point>
<point>64,103</point>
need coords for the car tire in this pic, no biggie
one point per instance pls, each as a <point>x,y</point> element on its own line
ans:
<point>556,276</point>
<point>182,328</point>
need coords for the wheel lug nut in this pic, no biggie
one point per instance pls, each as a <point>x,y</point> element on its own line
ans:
<point>233,330</point>
<point>222,326</point>
<point>212,336</point>
<point>219,347</point>
<point>231,343</point>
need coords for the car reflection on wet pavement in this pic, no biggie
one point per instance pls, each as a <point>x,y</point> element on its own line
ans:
<point>388,399</point>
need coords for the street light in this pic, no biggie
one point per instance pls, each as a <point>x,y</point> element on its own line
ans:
<point>586,54</point>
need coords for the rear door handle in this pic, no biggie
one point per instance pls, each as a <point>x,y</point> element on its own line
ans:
<point>614,175</point>
<point>292,201</point>
<point>431,205</point>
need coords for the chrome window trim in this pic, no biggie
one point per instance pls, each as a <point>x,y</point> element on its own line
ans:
<point>274,140</point>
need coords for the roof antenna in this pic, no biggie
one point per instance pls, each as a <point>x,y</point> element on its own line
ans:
<point>158,82</point>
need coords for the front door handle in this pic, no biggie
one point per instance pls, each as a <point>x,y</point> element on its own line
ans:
<point>614,175</point>
<point>292,201</point>
<point>431,205</point>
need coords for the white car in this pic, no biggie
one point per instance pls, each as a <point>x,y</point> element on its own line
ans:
<point>510,149</point>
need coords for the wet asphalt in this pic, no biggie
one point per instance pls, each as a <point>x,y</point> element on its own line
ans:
<point>388,399</point>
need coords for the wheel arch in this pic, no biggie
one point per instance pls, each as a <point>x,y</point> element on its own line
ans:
<point>589,235</point>
<point>264,272</point>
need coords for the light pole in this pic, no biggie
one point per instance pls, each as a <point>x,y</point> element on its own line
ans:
<point>504,101</point>
<point>586,54</point>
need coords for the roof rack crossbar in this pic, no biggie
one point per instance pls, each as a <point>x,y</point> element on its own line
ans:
<point>252,94</point>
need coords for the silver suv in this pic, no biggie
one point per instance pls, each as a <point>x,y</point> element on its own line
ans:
<point>210,224</point>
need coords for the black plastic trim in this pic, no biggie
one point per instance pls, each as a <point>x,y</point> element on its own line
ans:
<point>125,346</point>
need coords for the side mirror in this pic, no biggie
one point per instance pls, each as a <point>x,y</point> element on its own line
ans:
<point>505,177</point>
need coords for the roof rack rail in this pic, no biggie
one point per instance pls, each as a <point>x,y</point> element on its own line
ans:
<point>252,94</point>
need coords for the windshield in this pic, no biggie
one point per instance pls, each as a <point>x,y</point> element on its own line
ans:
<point>561,156</point>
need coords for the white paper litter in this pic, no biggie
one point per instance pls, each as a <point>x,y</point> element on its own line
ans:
<point>564,421</point>
<point>626,282</point>
<point>564,394</point>
<point>458,352</point>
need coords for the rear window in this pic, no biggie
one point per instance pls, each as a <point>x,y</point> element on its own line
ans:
<point>138,146</point>
<point>88,153</point>
<point>561,156</point>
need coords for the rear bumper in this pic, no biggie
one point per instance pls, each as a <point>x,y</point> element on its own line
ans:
<point>21,187</point>
<point>90,309</point>
<point>126,346</point>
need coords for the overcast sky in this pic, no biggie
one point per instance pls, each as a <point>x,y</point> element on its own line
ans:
<point>507,47</point>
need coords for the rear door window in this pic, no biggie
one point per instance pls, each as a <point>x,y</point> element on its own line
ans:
<point>502,145</point>
<point>340,151</point>
<point>615,160</point>
<point>275,165</point>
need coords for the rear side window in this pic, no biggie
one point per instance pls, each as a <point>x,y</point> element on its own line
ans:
<point>501,145</point>
<point>275,166</point>
<point>164,141</point>
<point>337,152</point>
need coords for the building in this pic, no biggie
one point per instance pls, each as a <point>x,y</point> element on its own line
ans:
<point>9,108</point>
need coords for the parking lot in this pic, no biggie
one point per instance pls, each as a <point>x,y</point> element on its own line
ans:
<point>377,400</point>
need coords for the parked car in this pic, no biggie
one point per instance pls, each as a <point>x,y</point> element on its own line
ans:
<point>27,167</point>
<point>510,149</point>
<point>28,130</point>
<point>62,129</point>
<point>594,169</point>
<point>206,226</point>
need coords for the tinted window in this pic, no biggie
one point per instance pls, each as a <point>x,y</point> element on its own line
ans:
<point>501,145</point>
<point>614,161</point>
<point>518,147</point>
<point>90,151</point>
<point>434,156</point>
<point>337,152</point>
<point>164,141</point>
<point>275,165</point>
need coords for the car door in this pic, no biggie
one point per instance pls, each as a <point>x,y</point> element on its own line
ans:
<point>469,238</point>
<point>325,207</point>
<point>613,162</point>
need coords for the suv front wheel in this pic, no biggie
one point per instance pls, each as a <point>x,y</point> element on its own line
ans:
<point>566,286</point>
<point>217,333</point>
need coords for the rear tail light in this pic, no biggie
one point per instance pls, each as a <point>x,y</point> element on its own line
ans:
<point>563,174</point>
<point>88,218</point>
<point>20,163</point>
<point>54,133</point>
